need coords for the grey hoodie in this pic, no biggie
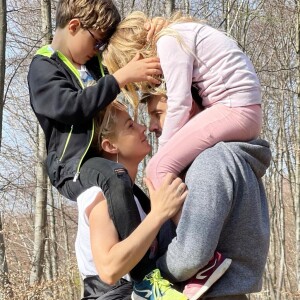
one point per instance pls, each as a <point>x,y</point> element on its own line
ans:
<point>226,210</point>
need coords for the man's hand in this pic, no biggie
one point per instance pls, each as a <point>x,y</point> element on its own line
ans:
<point>139,69</point>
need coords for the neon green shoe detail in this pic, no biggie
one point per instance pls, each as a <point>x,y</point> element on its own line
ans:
<point>155,287</point>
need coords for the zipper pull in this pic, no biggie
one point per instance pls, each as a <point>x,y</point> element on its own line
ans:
<point>76,177</point>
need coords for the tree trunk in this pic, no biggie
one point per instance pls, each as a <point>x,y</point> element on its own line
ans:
<point>3,30</point>
<point>170,6</point>
<point>281,208</point>
<point>4,283</point>
<point>186,6</point>
<point>52,235</point>
<point>5,288</point>
<point>40,212</point>
<point>64,230</point>
<point>226,8</point>
<point>41,182</point>
<point>297,151</point>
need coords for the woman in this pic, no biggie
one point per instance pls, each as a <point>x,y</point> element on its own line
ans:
<point>99,249</point>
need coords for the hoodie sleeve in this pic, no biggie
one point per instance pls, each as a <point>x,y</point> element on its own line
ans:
<point>204,213</point>
<point>54,94</point>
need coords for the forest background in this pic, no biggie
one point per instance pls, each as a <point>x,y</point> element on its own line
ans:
<point>38,227</point>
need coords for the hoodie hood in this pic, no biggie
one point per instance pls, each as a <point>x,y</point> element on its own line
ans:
<point>256,152</point>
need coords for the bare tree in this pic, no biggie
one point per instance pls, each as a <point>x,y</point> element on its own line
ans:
<point>52,234</point>
<point>41,181</point>
<point>66,246</point>
<point>3,30</point>
<point>5,288</point>
<point>268,30</point>
<point>297,151</point>
<point>170,6</point>
<point>186,6</point>
<point>4,283</point>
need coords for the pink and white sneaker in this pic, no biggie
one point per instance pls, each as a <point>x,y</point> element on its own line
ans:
<point>207,276</point>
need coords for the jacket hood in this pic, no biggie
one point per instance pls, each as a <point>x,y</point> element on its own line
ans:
<point>256,152</point>
<point>45,51</point>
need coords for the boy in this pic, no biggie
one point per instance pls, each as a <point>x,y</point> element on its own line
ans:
<point>57,79</point>
<point>61,97</point>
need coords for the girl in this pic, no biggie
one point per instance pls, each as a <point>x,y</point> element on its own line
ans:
<point>192,54</point>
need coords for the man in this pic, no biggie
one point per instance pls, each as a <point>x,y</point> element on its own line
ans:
<point>226,210</point>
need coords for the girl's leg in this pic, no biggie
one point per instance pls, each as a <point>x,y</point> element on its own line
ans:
<point>216,123</point>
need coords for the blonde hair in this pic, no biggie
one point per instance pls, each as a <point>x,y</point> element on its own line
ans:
<point>129,38</point>
<point>96,14</point>
<point>105,124</point>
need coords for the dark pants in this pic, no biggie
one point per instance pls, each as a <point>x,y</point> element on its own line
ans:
<point>97,290</point>
<point>118,190</point>
<point>116,184</point>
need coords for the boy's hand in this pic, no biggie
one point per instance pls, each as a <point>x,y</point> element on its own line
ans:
<point>154,26</point>
<point>138,70</point>
<point>167,200</point>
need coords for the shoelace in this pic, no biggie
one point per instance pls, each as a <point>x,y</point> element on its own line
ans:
<point>159,284</point>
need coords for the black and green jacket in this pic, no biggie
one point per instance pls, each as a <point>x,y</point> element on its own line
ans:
<point>65,109</point>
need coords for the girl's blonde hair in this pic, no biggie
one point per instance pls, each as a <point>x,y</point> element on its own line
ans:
<point>129,38</point>
<point>105,124</point>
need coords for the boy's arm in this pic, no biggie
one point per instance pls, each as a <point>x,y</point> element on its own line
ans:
<point>55,96</point>
<point>139,69</point>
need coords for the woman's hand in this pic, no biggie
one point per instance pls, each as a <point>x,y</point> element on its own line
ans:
<point>167,200</point>
<point>114,258</point>
<point>154,26</point>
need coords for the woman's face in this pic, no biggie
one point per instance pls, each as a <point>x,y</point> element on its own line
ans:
<point>130,139</point>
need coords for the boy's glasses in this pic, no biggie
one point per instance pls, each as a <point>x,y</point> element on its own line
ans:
<point>99,45</point>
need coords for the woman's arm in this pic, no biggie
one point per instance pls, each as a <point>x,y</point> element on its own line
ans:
<point>113,258</point>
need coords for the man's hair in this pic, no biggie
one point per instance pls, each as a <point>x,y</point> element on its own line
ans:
<point>96,14</point>
<point>159,91</point>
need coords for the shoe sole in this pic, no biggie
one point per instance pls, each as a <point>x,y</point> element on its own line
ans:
<point>222,268</point>
<point>136,297</point>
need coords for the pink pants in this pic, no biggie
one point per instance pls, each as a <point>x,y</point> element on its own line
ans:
<point>214,124</point>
